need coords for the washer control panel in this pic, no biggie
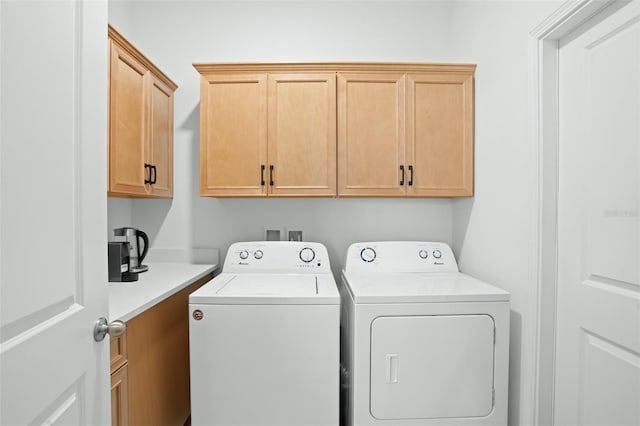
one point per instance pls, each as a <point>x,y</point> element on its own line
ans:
<point>400,256</point>
<point>277,257</point>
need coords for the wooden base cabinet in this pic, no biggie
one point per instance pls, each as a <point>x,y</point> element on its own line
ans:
<point>150,365</point>
<point>119,397</point>
<point>140,124</point>
<point>119,382</point>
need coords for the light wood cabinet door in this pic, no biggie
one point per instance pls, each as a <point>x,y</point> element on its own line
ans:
<point>140,124</point>
<point>127,124</point>
<point>119,380</point>
<point>161,139</point>
<point>233,135</point>
<point>440,134</point>
<point>302,134</point>
<point>119,397</point>
<point>118,351</point>
<point>371,138</point>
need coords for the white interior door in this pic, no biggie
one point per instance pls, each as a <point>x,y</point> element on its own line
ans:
<point>597,380</point>
<point>53,268</point>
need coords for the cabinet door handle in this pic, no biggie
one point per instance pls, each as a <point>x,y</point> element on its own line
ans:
<point>410,175</point>
<point>271,174</point>
<point>262,174</point>
<point>147,166</point>
<point>402,178</point>
<point>155,175</point>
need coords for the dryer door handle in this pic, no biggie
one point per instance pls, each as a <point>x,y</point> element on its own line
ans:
<point>392,368</point>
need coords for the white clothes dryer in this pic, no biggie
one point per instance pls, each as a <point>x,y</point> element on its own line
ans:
<point>422,343</point>
<point>264,339</point>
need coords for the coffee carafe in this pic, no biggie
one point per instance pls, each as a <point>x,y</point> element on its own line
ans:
<point>136,254</point>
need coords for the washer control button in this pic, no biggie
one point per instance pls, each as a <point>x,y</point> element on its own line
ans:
<point>437,254</point>
<point>258,254</point>
<point>368,254</point>
<point>307,254</point>
<point>244,254</point>
<point>423,254</point>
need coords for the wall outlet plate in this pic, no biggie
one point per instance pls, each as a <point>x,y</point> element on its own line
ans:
<point>295,236</point>
<point>272,234</point>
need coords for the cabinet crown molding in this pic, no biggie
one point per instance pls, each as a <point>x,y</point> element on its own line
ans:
<point>125,45</point>
<point>360,67</point>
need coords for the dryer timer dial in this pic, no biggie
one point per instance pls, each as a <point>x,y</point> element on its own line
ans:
<point>368,254</point>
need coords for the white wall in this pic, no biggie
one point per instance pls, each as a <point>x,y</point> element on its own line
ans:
<point>176,34</point>
<point>119,214</point>
<point>490,232</point>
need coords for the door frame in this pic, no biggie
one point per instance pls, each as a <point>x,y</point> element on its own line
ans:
<point>544,118</point>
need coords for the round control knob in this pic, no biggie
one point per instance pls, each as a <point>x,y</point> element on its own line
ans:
<point>244,254</point>
<point>307,254</point>
<point>423,254</point>
<point>258,254</point>
<point>368,254</point>
<point>437,254</point>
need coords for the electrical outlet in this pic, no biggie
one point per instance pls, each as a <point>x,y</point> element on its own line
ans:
<point>272,234</point>
<point>295,235</point>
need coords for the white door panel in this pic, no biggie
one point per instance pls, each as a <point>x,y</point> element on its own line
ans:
<point>53,213</point>
<point>609,382</point>
<point>598,318</point>
<point>612,88</point>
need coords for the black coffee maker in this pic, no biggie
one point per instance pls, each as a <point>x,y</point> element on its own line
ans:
<point>126,254</point>
<point>119,262</point>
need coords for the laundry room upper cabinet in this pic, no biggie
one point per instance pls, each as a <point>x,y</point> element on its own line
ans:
<point>266,131</point>
<point>406,130</point>
<point>302,134</point>
<point>440,132</point>
<point>371,141</point>
<point>233,135</point>
<point>140,124</point>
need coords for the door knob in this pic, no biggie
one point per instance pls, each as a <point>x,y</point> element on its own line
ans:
<point>102,328</point>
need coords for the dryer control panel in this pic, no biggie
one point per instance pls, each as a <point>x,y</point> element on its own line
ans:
<point>400,256</point>
<point>293,257</point>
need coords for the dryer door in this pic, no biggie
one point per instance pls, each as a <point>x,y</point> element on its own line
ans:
<point>426,367</point>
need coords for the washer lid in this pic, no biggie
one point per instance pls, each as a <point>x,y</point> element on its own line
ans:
<point>421,288</point>
<point>268,289</point>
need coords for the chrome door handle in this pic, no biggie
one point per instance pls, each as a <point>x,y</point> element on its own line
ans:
<point>102,327</point>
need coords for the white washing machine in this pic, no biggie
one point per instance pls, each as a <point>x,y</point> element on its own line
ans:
<point>422,343</point>
<point>264,339</point>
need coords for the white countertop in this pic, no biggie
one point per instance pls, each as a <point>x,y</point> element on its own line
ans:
<point>126,300</point>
